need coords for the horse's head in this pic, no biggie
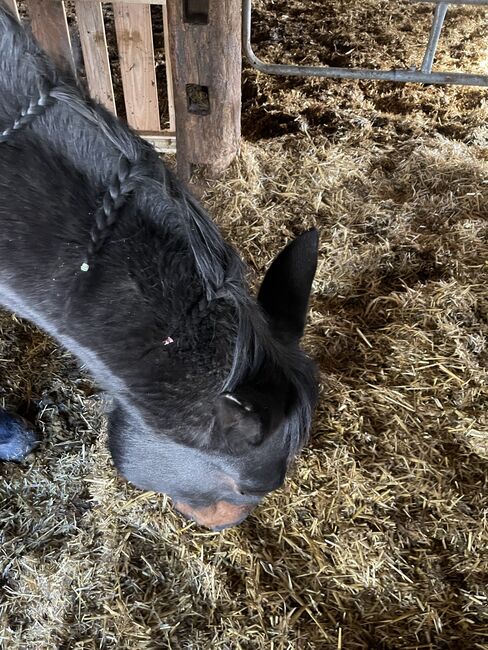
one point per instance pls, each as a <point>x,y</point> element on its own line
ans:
<point>242,445</point>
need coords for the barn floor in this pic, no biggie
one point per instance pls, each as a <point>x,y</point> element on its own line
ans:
<point>379,539</point>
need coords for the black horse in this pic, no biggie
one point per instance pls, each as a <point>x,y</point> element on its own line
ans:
<point>102,248</point>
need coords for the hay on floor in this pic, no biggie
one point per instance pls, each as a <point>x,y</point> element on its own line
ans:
<point>379,538</point>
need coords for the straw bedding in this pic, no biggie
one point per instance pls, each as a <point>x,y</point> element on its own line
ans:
<point>379,538</point>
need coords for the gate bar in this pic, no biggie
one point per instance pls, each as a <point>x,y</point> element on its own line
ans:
<point>416,76</point>
<point>435,32</point>
<point>478,3</point>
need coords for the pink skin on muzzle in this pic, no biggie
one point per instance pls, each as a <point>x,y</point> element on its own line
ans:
<point>217,516</point>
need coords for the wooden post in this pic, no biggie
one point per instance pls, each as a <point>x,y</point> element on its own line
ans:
<point>205,44</point>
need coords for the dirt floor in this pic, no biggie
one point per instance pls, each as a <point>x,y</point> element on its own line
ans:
<point>379,539</point>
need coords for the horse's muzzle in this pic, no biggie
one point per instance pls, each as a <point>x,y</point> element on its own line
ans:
<point>217,516</point>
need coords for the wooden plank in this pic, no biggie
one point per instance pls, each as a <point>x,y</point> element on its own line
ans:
<point>48,18</point>
<point>135,2</point>
<point>95,54</point>
<point>164,141</point>
<point>169,72</point>
<point>12,6</point>
<point>206,62</point>
<point>134,38</point>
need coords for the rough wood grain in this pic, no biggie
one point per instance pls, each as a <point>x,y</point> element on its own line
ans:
<point>95,54</point>
<point>207,56</point>
<point>50,28</point>
<point>134,38</point>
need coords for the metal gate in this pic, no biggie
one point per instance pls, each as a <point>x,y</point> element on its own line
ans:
<point>423,75</point>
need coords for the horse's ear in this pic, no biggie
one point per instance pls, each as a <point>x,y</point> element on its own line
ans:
<point>285,291</point>
<point>237,425</point>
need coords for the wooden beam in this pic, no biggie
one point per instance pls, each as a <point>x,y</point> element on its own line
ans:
<point>163,141</point>
<point>134,38</point>
<point>95,54</point>
<point>48,18</point>
<point>206,59</point>
<point>169,72</point>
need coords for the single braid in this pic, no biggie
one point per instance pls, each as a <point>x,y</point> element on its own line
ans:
<point>37,106</point>
<point>120,187</point>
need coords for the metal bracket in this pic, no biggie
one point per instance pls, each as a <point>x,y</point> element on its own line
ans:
<point>424,75</point>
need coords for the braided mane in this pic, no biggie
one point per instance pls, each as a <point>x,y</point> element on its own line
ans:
<point>127,169</point>
<point>36,107</point>
<point>115,197</point>
<point>138,168</point>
